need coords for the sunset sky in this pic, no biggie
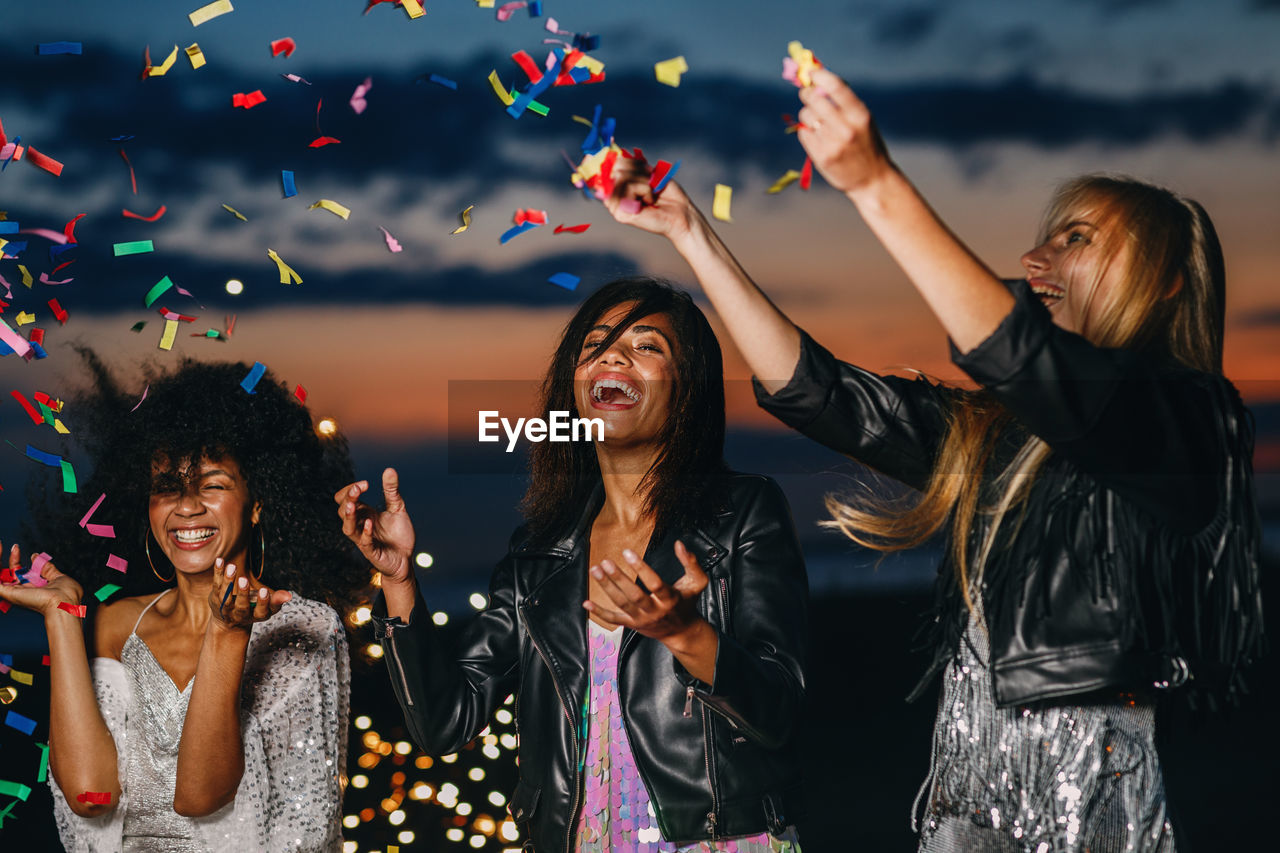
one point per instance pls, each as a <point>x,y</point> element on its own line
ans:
<point>986,105</point>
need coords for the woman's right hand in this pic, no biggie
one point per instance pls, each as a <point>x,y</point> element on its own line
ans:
<point>839,135</point>
<point>671,214</point>
<point>60,589</point>
<point>385,537</point>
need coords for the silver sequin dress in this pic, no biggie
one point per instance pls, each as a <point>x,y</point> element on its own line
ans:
<point>294,709</point>
<point>1043,778</point>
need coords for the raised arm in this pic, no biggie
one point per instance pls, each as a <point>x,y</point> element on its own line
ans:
<point>82,754</point>
<point>841,139</point>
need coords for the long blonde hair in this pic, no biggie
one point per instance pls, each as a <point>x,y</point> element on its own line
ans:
<point>1170,304</point>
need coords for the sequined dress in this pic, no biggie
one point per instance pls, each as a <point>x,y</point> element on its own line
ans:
<point>294,708</point>
<point>616,812</point>
<point>1039,779</point>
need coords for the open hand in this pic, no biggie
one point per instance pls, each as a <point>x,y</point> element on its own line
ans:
<point>385,537</point>
<point>59,589</point>
<point>237,600</point>
<point>664,612</point>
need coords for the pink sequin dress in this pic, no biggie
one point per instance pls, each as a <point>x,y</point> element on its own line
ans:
<point>616,813</point>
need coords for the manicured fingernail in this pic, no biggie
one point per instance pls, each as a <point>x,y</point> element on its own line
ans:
<point>231,569</point>
<point>217,561</point>
<point>596,573</point>
<point>242,583</point>
<point>629,555</point>
<point>262,591</point>
<point>609,567</point>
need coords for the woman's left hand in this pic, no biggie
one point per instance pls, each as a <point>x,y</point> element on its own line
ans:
<point>839,135</point>
<point>664,612</point>
<point>237,600</point>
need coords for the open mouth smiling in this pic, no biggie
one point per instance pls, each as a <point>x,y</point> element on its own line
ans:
<point>614,392</point>
<point>1048,292</point>
<point>192,537</point>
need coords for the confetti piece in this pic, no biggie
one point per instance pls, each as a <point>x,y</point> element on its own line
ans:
<point>572,229</point>
<point>120,564</point>
<point>137,247</point>
<point>323,140</point>
<point>788,178</point>
<point>54,48</point>
<point>44,279</point>
<point>144,390</point>
<point>249,101</point>
<point>25,318</point>
<point>287,273</point>
<point>443,81</point>
<point>15,341</point>
<point>392,243</point>
<point>500,90</point>
<point>68,480</point>
<point>210,11</point>
<point>358,102</point>
<point>466,221</point>
<point>720,206</point>
<point>129,214</point>
<point>511,233</point>
<point>537,217</point>
<point>285,45</point>
<point>294,78</point>
<point>669,70</point>
<point>56,308</point>
<point>26,725</point>
<point>286,180</point>
<point>662,175</point>
<point>333,207</point>
<point>506,10</point>
<point>93,797</point>
<point>44,161</point>
<point>413,8</point>
<point>43,773</point>
<point>26,404</point>
<point>93,508</point>
<point>138,326</point>
<point>163,68</point>
<point>196,55</point>
<point>806,174</point>
<point>251,381</point>
<point>9,227</point>
<point>301,394</point>
<point>21,677</point>
<point>13,789</point>
<point>799,65</point>
<point>565,280</point>
<point>236,213</point>
<point>170,332</point>
<point>133,179</point>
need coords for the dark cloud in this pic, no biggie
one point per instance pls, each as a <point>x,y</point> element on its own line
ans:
<point>1265,5</point>
<point>905,27</point>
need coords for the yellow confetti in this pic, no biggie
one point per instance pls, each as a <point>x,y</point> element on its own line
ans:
<point>785,181</point>
<point>484,4</point>
<point>163,68</point>
<point>331,206</point>
<point>466,221</point>
<point>582,120</point>
<point>3,243</point>
<point>669,70</point>
<point>209,12</point>
<point>60,427</point>
<point>25,317</point>
<point>590,63</point>
<point>239,215</point>
<point>414,8</point>
<point>20,677</point>
<point>806,64</point>
<point>500,90</point>
<point>720,207</point>
<point>287,272</point>
<point>170,332</point>
<point>196,55</point>
<point>26,275</point>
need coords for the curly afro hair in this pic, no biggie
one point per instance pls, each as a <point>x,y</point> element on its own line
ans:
<point>195,411</point>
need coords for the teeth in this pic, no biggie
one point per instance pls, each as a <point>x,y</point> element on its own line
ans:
<point>597,390</point>
<point>194,535</point>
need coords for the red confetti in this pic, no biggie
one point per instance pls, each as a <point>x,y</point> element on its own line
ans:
<point>806,174</point>
<point>129,214</point>
<point>301,394</point>
<point>58,311</point>
<point>77,610</point>
<point>573,229</point>
<point>7,575</point>
<point>94,797</point>
<point>174,315</point>
<point>323,140</point>
<point>249,101</point>
<point>4,605</point>
<point>35,416</point>
<point>284,45</point>
<point>70,228</point>
<point>537,217</point>
<point>36,336</point>
<point>659,173</point>
<point>44,161</point>
<point>528,66</point>
<point>61,265</point>
<point>133,179</point>
<point>44,660</point>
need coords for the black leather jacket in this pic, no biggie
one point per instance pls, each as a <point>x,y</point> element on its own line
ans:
<point>1136,561</point>
<point>718,760</point>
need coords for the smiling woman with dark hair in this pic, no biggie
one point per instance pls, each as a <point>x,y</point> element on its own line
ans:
<point>658,695</point>
<point>179,731</point>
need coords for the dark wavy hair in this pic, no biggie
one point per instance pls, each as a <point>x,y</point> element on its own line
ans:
<point>688,480</point>
<point>194,411</point>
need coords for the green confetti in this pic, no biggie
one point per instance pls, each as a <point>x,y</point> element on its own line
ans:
<point>68,478</point>
<point>137,247</point>
<point>106,592</point>
<point>14,789</point>
<point>139,326</point>
<point>154,293</point>
<point>44,762</point>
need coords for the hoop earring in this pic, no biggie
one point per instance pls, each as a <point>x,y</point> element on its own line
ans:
<point>262,559</point>
<point>146,546</point>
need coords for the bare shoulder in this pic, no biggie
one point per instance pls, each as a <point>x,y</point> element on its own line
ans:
<point>114,623</point>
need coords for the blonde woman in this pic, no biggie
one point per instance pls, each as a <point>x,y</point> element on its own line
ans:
<point>1096,490</point>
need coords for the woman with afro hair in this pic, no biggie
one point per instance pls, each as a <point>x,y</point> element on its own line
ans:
<point>209,711</point>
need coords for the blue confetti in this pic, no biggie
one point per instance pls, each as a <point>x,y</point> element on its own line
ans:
<point>124,138</point>
<point>26,725</point>
<point>286,178</point>
<point>662,184</point>
<point>45,458</point>
<point>517,231</point>
<point>9,227</point>
<point>251,381</point>
<point>535,9</point>
<point>565,280</point>
<point>14,248</point>
<point>443,81</point>
<point>52,48</point>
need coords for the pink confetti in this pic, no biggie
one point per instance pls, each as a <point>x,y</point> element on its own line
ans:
<point>506,10</point>
<point>120,564</point>
<point>88,515</point>
<point>140,399</point>
<point>392,243</point>
<point>47,233</point>
<point>44,279</point>
<point>358,102</point>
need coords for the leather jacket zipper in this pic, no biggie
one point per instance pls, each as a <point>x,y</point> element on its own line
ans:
<point>573,734</point>
<point>711,779</point>
<point>394,657</point>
